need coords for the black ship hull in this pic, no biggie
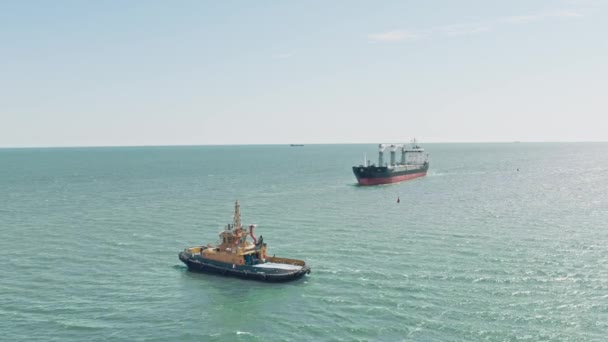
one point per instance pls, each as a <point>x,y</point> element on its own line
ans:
<point>372,175</point>
<point>197,263</point>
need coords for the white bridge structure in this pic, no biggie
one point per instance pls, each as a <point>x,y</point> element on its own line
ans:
<point>413,155</point>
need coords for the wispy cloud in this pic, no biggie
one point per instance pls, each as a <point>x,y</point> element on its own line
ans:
<point>394,36</point>
<point>458,30</point>
<point>518,19</point>
<point>467,29</point>
<point>282,55</point>
<point>410,35</point>
<point>565,13</point>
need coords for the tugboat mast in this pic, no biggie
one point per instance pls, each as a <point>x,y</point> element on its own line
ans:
<point>237,215</point>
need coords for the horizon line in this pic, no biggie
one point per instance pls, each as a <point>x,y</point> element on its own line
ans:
<point>297,143</point>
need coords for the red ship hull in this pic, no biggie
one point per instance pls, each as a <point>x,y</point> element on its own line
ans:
<point>388,180</point>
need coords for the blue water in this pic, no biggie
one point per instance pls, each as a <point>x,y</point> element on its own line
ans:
<point>477,250</point>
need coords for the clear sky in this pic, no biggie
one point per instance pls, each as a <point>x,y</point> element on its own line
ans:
<point>86,73</point>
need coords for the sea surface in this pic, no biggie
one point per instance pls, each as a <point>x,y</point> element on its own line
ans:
<point>500,242</point>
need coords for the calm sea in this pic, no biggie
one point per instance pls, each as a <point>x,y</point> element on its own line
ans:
<point>499,242</point>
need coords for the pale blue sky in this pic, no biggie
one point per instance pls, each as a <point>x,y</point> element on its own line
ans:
<point>84,73</point>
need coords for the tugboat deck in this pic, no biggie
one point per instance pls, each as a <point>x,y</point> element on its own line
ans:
<point>279,266</point>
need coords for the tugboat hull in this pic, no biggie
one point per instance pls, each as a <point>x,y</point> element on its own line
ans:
<point>281,273</point>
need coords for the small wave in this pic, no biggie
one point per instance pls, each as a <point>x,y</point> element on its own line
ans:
<point>82,324</point>
<point>243,333</point>
<point>120,243</point>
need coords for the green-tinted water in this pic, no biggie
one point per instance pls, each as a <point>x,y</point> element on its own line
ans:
<point>475,251</point>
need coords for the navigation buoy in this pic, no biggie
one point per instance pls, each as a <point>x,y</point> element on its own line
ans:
<point>398,199</point>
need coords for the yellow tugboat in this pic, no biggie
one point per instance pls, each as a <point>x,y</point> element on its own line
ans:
<point>235,256</point>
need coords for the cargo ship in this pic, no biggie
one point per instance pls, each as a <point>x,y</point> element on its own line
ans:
<point>237,257</point>
<point>414,163</point>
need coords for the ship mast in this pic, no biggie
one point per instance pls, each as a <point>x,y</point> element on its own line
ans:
<point>237,214</point>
